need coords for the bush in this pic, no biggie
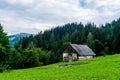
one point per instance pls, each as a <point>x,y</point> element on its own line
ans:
<point>4,67</point>
<point>3,59</point>
<point>97,47</point>
<point>15,59</point>
<point>30,58</point>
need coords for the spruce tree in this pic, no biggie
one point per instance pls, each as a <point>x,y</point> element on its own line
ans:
<point>89,39</point>
<point>4,49</point>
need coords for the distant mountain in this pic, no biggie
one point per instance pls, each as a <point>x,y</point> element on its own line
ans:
<point>15,38</point>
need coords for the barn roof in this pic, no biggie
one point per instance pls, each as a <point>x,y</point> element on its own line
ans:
<point>82,50</point>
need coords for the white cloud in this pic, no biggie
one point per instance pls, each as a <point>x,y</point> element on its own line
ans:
<point>35,15</point>
<point>22,2</point>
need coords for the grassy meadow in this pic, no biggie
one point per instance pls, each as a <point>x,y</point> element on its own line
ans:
<point>99,68</point>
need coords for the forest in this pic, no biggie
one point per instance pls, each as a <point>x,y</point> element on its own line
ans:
<point>47,47</point>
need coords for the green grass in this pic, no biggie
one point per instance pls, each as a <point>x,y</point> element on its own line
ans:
<point>99,68</point>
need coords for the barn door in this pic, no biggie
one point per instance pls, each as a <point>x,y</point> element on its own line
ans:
<point>70,57</point>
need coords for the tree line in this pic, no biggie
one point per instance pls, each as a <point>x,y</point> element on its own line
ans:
<point>99,38</point>
<point>11,58</point>
<point>47,47</point>
<point>103,39</point>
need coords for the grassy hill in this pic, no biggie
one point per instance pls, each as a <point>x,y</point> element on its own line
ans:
<point>99,68</point>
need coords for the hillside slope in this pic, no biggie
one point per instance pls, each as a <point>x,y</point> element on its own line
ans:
<point>100,68</point>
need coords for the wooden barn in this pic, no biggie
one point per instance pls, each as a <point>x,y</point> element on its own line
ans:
<point>77,52</point>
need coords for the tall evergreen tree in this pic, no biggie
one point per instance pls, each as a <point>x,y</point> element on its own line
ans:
<point>4,41</point>
<point>4,49</point>
<point>89,39</point>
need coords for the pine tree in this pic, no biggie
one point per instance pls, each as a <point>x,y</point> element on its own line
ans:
<point>4,41</point>
<point>89,39</point>
<point>4,49</point>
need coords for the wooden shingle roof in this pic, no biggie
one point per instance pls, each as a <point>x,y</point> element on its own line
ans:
<point>83,50</point>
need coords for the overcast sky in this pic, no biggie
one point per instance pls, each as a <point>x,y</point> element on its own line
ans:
<point>32,16</point>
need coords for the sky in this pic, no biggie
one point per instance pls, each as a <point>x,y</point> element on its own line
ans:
<point>33,16</point>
